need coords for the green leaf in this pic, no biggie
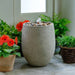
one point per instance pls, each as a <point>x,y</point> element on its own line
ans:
<point>16,46</point>
<point>8,50</point>
<point>45,18</point>
<point>0,54</point>
<point>0,47</point>
<point>17,53</point>
<point>5,55</point>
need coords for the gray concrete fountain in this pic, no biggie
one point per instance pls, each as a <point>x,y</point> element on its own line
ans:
<point>38,43</point>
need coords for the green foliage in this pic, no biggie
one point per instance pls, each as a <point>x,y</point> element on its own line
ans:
<point>60,24</point>
<point>9,30</point>
<point>66,41</point>
<point>17,53</point>
<point>45,18</point>
<point>5,50</point>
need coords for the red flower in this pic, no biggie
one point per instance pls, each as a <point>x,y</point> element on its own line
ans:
<point>19,26</point>
<point>1,41</point>
<point>10,42</point>
<point>16,40</point>
<point>5,38</point>
<point>25,21</point>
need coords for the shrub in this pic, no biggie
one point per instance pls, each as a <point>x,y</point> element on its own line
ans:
<point>8,46</point>
<point>9,30</point>
<point>66,41</point>
<point>60,24</point>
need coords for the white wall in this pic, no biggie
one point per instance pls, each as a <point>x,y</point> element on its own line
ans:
<point>10,11</point>
<point>68,11</point>
<point>6,11</point>
<point>30,16</point>
<point>58,6</point>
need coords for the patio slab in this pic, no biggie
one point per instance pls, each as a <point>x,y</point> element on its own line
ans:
<point>55,67</point>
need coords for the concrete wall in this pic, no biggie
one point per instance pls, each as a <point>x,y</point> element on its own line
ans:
<point>58,6</point>
<point>10,11</point>
<point>68,11</point>
<point>6,11</point>
<point>30,16</point>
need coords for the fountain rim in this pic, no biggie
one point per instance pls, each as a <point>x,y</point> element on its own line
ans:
<point>52,24</point>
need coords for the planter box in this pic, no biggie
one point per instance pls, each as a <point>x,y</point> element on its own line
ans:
<point>38,44</point>
<point>6,64</point>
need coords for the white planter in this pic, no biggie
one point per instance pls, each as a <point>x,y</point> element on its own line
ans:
<point>38,44</point>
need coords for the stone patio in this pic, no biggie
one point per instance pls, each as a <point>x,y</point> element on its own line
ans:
<point>55,67</point>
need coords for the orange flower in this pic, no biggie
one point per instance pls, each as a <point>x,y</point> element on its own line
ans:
<point>16,40</point>
<point>19,26</point>
<point>1,41</point>
<point>5,38</point>
<point>25,21</point>
<point>10,42</point>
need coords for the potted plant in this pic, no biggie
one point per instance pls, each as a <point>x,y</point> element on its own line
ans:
<point>8,52</point>
<point>11,31</point>
<point>67,45</point>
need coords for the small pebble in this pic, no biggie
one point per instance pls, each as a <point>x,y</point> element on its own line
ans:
<point>34,25</point>
<point>37,24</point>
<point>48,23</point>
<point>44,24</point>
